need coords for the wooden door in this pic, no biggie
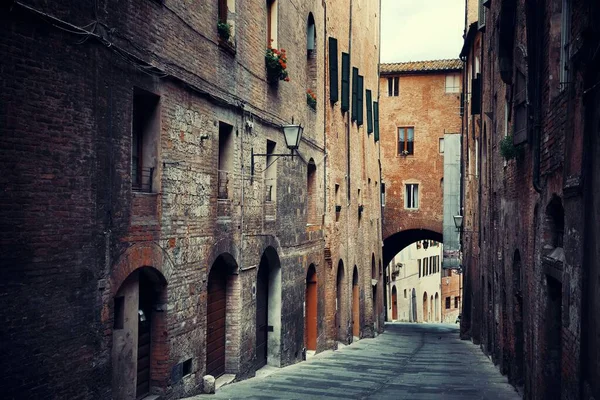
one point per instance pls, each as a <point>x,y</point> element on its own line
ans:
<point>355,312</point>
<point>146,299</point>
<point>215,321</point>
<point>311,313</point>
<point>262,312</point>
<point>394,304</point>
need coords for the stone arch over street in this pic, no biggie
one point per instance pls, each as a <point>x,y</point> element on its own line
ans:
<point>399,240</point>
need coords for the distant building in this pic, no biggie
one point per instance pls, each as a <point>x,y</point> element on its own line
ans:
<point>414,283</point>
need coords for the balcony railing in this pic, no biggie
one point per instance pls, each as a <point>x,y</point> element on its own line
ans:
<point>142,180</point>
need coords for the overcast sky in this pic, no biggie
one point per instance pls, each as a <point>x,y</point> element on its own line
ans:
<point>416,30</point>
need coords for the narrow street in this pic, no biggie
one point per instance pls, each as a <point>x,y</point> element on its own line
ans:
<point>408,361</point>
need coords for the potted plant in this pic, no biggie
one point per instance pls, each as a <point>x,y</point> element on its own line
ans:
<point>508,150</point>
<point>276,63</point>
<point>224,30</point>
<point>311,99</point>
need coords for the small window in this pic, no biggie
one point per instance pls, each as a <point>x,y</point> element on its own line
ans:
<point>411,196</point>
<point>271,173</point>
<point>406,141</point>
<point>453,83</point>
<point>419,263</point>
<point>441,145</point>
<point>225,159</point>
<point>447,303</point>
<point>272,23</point>
<point>144,137</point>
<point>456,301</point>
<point>119,312</point>
<point>187,367</point>
<point>382,194</point>
<point>404,293</point>
<point>393,86</point>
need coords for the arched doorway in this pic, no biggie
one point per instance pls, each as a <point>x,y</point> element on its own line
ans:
<point>340,305</point>
<point>437,307</point>
<point>310,320</point>
<point>519,370</point>
<point>268,309</point>
<point>355,304</point>
<point>222,277</point>
<point>394,303</point>
<point>431,315</point>
<point>425,308</point>
<point>374,299</point>
<point>136,324</point>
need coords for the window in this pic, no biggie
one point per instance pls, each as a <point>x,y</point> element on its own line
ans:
<point>144,138</point>
<point>272,23</point>
<point>382,194</point>
<point>456,301</point>
<point>425,267</point>
<point>404,293</point>
<point>419,263</point>
<point>565,38</point>
<point>271,173</point>
<point>225,159</point>
<point>453,83</point>
<point>411,196</point>
<point>441,145</point>
<point>311,35</point>
<point>187,367</point>
<point>311,193</point>
<point>393,84</point>
<point>406,140</point>
<point>447,303</point>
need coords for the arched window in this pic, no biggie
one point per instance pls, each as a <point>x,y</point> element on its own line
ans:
<point>311,60</point>
<point>311,36</point>
<point>311,193</point>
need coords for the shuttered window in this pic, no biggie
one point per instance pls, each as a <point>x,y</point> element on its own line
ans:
<point>354,93</point>
<point>369,112</point>
<point>333,70</point>
<point>376,120</point>
<point>359,100</point>
<point>345,82</point>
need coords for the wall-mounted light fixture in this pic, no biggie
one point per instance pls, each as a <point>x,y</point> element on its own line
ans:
<point>292,134</point>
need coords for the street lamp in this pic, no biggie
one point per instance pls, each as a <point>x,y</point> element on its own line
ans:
<point>292,134</point>
<point>458,222</point>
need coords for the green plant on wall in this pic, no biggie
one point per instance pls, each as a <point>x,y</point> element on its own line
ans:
<point>224,30</point>
<point>507,148</point>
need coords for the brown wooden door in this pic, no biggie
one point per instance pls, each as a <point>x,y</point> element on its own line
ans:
<point>311,313</point>
<point>145,302</point>
<point>215,321</point>
<point>394,304</point>
<point>355,312</point>
<point>262,312</point>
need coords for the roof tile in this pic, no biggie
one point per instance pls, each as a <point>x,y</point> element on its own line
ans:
<point>422,66</point>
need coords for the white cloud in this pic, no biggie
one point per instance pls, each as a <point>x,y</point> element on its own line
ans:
<point>415,30</point>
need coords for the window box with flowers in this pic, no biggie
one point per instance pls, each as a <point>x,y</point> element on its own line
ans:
<point>311,99</point>
<point>276,63</point>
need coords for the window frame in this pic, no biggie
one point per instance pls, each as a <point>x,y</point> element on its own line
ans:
<point>455,88</point>
<point>414,204</point>
<point>408,144</point>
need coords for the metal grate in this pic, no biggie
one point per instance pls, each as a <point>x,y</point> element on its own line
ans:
<point>142,180</point>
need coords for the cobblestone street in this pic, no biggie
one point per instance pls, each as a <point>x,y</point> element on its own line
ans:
<point>408,361</point>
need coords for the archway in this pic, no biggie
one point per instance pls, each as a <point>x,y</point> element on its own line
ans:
<point>425,308</point>
<point>310,327</point>
<point>268,309</point>
<point>518,370</point>
<point>394,303</point>
<point>396,242</point>
<point>340,305</point>
<point>437,307</point>
<point>136,321</point>
<point>355,304</point>
<point>220,287</point>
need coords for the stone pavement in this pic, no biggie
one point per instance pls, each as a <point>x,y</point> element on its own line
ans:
<point>408,361</point>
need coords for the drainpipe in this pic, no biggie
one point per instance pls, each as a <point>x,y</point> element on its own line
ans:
<point>325,100</point>
<point>379,233</point>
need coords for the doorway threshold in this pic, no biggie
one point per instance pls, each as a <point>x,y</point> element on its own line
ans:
<point>223,380</point>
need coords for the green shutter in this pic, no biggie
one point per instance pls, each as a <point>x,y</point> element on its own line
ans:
<point>369,112</point>
<point>345,82</point>
<point>354,93</point>
<point>333,70</point>
<point>376,119</point>
<point>359,98</point>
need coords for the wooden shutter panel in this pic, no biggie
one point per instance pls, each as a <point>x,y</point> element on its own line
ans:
<point>333,70</point>
<point>376,120</point>
<point>359,100</point>
<point>222,10</point>
<point>476,95</point>
<point>345,82</point>
<point>354,93</point>
<point>369,112</point>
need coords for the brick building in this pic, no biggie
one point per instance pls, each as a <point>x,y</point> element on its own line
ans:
<point>420,109</point>
<point>151,231</point>
<point>530,150</point>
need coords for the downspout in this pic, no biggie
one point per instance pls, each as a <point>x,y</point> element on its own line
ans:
<point>380,231</point>
<point>325,61</point>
